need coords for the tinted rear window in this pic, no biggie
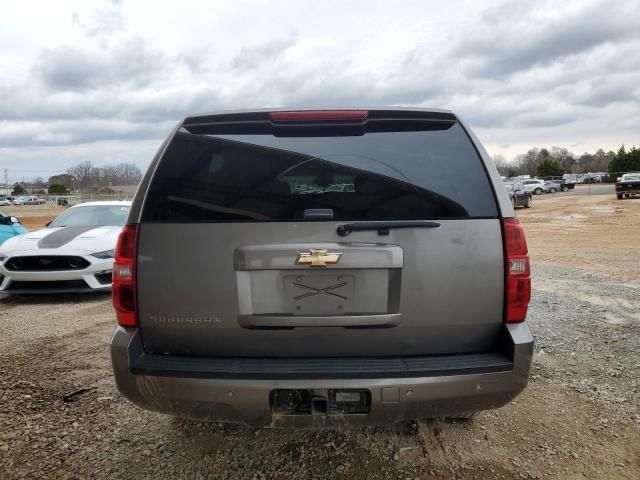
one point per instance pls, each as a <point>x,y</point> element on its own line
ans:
<point>434,174</point>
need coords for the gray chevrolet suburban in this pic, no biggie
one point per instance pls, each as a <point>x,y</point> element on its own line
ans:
<point>321,267</point>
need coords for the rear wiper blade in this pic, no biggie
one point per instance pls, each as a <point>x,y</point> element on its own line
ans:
<point>382,227</point>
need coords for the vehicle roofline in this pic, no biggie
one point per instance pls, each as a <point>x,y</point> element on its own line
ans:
<point>106,202</point>
<point>389,108</point>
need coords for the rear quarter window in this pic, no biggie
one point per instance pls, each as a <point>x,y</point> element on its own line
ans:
<point>434,174</point>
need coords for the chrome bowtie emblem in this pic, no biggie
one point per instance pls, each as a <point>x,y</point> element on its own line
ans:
<point>317,258</point>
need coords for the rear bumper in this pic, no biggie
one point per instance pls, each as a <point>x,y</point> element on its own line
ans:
<point>393,398</point>
<point>628,191</point>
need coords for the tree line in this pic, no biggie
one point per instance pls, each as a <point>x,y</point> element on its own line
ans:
<point>85,176</point>
<point>82,177</point>
<point>556,161</point>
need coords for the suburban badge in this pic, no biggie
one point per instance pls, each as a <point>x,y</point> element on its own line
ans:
<point>317,258</point>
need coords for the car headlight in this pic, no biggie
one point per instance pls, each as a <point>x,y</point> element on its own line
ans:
<point>103,255</point>
<point>3,257</point>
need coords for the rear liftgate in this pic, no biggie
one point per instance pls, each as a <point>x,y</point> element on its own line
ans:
<point>330,285</point>
<point>274,191</point>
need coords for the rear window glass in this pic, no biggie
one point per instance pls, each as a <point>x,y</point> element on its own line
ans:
<point>417,175</point>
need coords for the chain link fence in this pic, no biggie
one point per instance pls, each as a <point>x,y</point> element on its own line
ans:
<point>69,200</point>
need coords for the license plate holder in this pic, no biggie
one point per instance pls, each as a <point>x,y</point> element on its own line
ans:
<point>319,293</point>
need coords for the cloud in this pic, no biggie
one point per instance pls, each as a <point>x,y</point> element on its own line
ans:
<point>512,39</point>
<point>105,21</point>
<point>196,59</point>
<point>607,89</point>
<point>133,61</point>
<point>251,57</point>
<point>547,118</point>
<point>111,78</point>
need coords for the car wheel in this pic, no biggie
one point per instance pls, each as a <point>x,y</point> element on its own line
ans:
<point>538,191</point>
<point>619,196</point>
<point>552,190</point>
<point>565,188</point>
<point>527,204</point>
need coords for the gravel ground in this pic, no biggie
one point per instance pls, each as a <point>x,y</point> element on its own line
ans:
<point>579,417</point>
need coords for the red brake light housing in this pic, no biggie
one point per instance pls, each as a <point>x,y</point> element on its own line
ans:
<point>517,271</point>
<point>320,116</point>
<point>124,277</point>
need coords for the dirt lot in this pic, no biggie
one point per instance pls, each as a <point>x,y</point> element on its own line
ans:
<point>579,418</point>
<point>33,216</point>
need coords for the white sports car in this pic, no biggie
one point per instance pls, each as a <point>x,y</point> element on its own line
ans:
<point>73,254</point>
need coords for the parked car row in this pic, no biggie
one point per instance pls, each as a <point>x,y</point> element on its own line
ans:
<point>22,200</point>
<point>537,186</point>
<point>521,190</point>
<point>592,177</point>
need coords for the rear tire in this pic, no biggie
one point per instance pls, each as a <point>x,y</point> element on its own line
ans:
<point>565,188</point>
<point>527,204</point>
<point>538,191</point>
<point>552,190</point>
<point>619,196</point>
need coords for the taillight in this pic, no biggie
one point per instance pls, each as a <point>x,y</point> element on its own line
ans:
<point>320,116</point>
<point>517,271</point>
<point>124,277</point>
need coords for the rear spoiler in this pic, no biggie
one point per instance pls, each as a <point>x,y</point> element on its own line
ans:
<point>318,122</point>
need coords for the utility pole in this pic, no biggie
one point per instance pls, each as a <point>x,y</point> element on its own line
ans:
<point>6,180</point>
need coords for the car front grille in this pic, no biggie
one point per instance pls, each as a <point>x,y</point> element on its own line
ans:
<point>46,263</point>
<point>49,286</point>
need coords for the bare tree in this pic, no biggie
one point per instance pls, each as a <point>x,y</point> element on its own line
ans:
<point>528,163</point>
<point>128,173</point>
<point>82,173</point>
<point>505,168</point>
<point>39,182</point>
<point>565,157</point>
<point>85,175</point>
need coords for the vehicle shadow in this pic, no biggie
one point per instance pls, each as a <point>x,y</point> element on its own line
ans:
<point>9,300</point>
<point>351,452</point>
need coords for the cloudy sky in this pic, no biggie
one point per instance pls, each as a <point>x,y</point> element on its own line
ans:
<point>106,80</point>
